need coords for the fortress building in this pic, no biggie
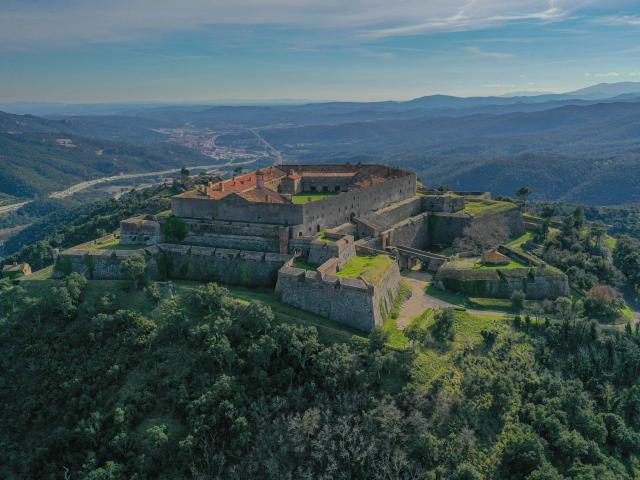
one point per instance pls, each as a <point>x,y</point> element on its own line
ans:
<point>266,209</point>
<point>331,238</point>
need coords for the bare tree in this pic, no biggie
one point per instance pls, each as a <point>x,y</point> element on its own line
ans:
<point>483,234</point>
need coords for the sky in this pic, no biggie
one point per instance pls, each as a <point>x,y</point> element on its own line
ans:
<point>101,51</point>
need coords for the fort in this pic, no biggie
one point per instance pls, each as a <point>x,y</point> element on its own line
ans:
<point>330,238</point>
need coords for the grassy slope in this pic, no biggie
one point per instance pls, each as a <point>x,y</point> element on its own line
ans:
<point>372,268</point>
<point>480,206</point>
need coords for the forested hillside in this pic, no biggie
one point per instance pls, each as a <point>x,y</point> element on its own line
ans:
<point>101,381</point>
<point>573,153</point>
<point>37,163</point>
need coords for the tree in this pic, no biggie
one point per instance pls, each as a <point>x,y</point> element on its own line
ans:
<point>483,235</point>
<point>444,327</point>
<point>417,333</point>
<point>598,232</point>
<point>579,220</point>
<point>134,269</point>
<point>548,211</point>
<point>523,452</point>
<point>184,172</point>
<point>603,301</point>
<point>517,300</point>
<point>174,229</point>
<point>523,194</point>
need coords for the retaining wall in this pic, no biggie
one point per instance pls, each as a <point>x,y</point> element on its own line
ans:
<point>413,232</point>
<point>235,267</point>
<point>536,283</point>
<point>350,301</point>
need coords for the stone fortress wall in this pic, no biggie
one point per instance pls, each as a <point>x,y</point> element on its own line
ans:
<point>350,301</point>
<point>183,262</point>
<point>252,239</point>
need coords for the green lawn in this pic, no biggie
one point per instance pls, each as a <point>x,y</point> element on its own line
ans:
<point>480,206</point>
<point>436,359</point>
<point>324,238</point>
<point>306,197</point>
<point>611,242</point>
<point>513,264</point>
<point>371,268</point>
<point>110,244</point>
<point>44,274</point>
<point>304,264</point>
<point>516,242</point>
<point>446,296</point>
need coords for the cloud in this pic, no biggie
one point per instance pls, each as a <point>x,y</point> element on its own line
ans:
<point>28,23</point>
<point>603,75</point>
<point>478,52</point>
<point>620,20</point>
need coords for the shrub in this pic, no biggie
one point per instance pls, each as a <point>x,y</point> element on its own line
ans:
<point>174,229</point>
<point>517,300</point>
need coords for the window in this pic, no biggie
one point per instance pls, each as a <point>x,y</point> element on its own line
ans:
<point>337,189</point>
<point>313,189</point>
<point>317,228</point>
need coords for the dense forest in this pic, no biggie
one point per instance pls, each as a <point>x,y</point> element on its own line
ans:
<point>205,386</point>
<point>64,227</point>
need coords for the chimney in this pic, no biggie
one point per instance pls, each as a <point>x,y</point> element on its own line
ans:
<point>259,180</point>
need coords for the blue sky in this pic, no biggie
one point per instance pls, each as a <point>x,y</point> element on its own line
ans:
<point>81,51</point>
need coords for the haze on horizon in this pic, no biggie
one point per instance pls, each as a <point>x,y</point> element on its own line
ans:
<point>74,51</point>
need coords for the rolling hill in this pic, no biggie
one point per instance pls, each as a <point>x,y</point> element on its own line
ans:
<point>37,163</point>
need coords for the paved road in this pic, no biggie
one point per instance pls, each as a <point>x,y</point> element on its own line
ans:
<point>271,148</point>
<point>90,183</point>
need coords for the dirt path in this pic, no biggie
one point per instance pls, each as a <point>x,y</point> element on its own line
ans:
<point>12,207</point>
<point>420,301</point>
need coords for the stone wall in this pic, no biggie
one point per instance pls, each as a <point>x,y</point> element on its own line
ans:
<point>444,228</point>
<point>236,209</point>
<point>343,250</point>
<point>98,264</point>
<point>349,301</point>
<point>140,230</point>
<point>342,208</point>
<point>231,266</point>
<point>537,283</point>
<point>256,244</point>
<point>401,211</point>
<point>413,232</point>
<point>235,267</point>
<point>442,203</point>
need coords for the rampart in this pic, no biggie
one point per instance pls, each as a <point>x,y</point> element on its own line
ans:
<point>412,232</point>
<point>444,228</point>
<point>350,301</point>
<point>185,262</point>
<point>341,248</point>
<point>537,283</point>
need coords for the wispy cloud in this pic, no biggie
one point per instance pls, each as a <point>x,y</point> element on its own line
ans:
<point>478,52</point>
<point>614,20</point>
<point>25,23</point>
<point>603,75</point>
